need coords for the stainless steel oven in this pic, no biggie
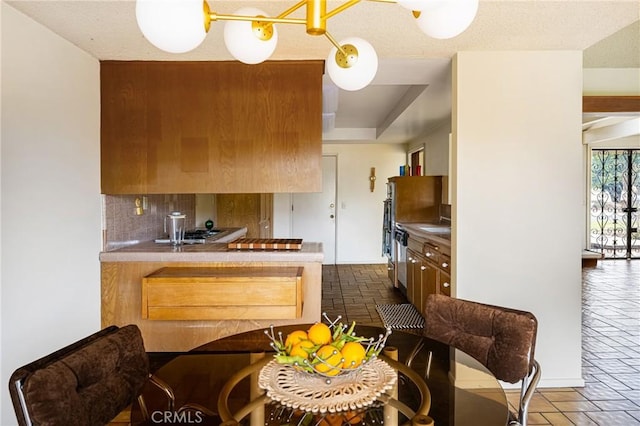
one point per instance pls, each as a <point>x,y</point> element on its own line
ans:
<point>388,231</point>
<point>401,238</point>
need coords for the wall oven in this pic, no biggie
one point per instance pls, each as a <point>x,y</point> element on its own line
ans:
<point>388,234</point>
<point>401,241</point>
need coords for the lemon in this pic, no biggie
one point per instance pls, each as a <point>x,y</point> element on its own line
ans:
<point>319,333</point>
<point>295,337</point>
<point>299,349</point>
<point>353,354</point>
<point>331,357</point>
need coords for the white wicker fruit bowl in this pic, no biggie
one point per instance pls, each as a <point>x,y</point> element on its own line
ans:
<point>331,383</point>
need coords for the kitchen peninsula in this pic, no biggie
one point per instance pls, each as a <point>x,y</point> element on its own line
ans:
<point>206,276</point>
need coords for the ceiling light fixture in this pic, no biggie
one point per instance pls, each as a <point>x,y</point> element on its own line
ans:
<point>178,26</point>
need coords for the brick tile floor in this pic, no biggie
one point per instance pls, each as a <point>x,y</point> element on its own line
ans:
<point>610,343</point>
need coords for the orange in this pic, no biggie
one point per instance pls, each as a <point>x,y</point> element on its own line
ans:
<point>299,348</point>
<point>295,337</point>
<point>319,333</point>
<point>331,357</point>
<point>353,354</point>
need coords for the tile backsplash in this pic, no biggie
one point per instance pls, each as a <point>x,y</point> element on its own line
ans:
<point>122,226</point>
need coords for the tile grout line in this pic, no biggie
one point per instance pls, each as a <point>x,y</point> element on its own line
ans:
<point>609,293</point>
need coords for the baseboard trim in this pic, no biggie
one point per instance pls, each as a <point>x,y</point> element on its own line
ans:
<point>551,383</point>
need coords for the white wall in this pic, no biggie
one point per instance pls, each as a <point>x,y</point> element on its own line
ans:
<point>50,151</point>
<point>611,81</point>
<point>436,150</point>
<point>359,211</point>
<point>436,158</point>
<point>517,199</point>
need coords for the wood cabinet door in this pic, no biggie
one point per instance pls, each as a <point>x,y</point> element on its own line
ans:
<point>428,274</point>
<point>444,283</point>
<point>411,275</point>
<point>211,127</point>
<point>252,211</point>
<point>418,198</point>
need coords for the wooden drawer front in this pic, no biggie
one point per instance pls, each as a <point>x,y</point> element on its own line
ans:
<point>444,284</point>
<point>414,245</point>
<point>431,252</point>
<point>222,293</point>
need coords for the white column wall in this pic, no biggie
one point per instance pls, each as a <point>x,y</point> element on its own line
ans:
<point>50,156</point>
<point>517,193</point>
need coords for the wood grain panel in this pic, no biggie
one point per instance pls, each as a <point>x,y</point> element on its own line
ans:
<point>239,211</point>
<point>222,293</point>
<point>125,134</point>
<point>221,312</point>
<point>611,104</point>
<point>194,155</point>
<point>207,292</point>
<point>262,124</point>
<point>420,197</point>
<point>122,304</point>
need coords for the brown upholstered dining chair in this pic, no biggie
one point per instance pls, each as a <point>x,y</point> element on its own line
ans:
<point>86,383</point>
<point>502,339</point>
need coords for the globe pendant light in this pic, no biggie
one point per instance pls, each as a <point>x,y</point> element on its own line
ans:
<point>250,35</point>
<point>355,70</point>
<point>175,26</point>
<point>444,19</point>
<point>250,42</point>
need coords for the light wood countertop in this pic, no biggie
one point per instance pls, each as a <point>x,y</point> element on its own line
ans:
<point>217,251</point>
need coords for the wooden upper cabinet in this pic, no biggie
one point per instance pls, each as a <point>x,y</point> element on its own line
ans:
<point>211,127</point>
<point>418,198</point>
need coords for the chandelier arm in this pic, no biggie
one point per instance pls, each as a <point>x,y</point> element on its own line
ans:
<point>218,17</point>
<point>335,43</point>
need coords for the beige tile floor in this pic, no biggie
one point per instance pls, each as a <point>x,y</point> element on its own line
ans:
<point>611,339</point>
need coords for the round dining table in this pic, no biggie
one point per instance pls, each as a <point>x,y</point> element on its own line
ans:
<point>219,379</point>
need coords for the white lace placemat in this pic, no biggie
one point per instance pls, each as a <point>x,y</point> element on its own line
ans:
<point>314,393</point>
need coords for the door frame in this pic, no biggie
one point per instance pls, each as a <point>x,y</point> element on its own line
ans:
<point>337,216</point>
<point>615,105</point>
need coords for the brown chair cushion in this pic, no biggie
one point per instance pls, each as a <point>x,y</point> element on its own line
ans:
<point>502,339</point>
<point>91,385</point>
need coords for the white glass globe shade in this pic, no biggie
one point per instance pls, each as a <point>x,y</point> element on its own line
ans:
<point>444,19</point>
<point>359,74</point>
<point>243,44</point>
<point>175,26</point>
<point>414,4</point>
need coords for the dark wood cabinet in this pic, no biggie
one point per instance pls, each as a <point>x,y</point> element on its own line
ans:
<point>424,276</point>
<point>211,127</point>
<point>428,270</point>
<point>416,198</point>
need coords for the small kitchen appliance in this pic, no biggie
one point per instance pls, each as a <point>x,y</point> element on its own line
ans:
<point>176,227</point>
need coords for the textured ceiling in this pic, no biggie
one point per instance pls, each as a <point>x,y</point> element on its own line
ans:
<point>411,92</point>
<point>620,50</point>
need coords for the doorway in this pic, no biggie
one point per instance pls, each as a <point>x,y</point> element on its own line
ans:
<point>313,214</point>
<point>615,202</point>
